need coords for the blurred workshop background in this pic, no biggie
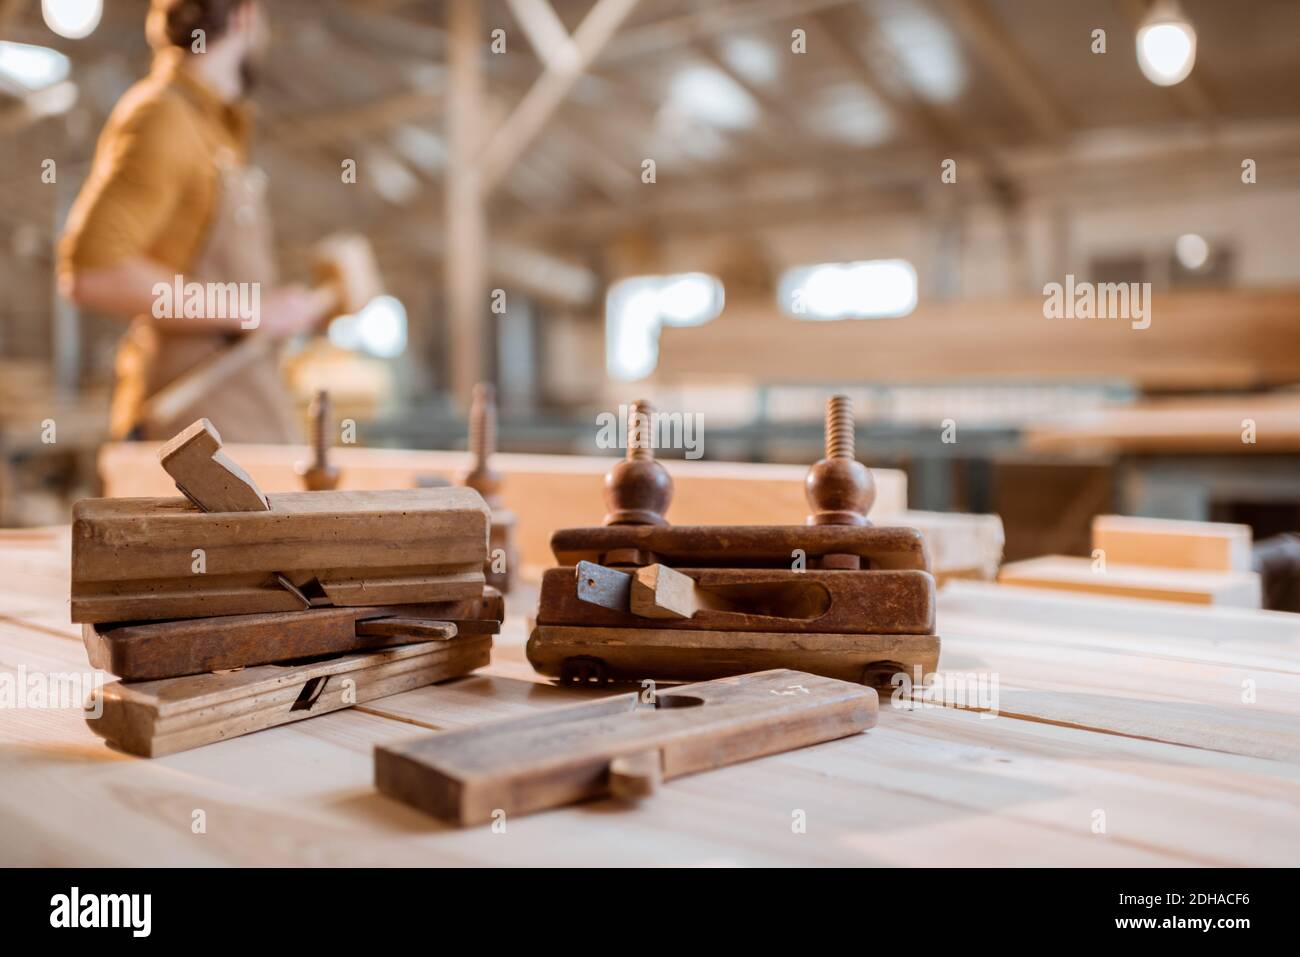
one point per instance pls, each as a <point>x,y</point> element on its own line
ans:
<point>734,208</point>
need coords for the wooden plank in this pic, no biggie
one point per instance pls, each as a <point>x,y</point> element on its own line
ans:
<point>1187,345</point>
<point>155,718</point>
<point>1192,586</point>
<point>138,652</point>
<point>1166,543</point>
<point>214,595</point>
<point>590,653</point>
<point>1181,426</point>
<point>565,755</point>
<point>1130,667</point>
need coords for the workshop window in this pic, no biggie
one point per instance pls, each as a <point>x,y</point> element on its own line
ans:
<point>636,309</point>
<point>872,289</point>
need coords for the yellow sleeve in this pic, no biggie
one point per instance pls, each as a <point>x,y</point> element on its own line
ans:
<point>133,189</point>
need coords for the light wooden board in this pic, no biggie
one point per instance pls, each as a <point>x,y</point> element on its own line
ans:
<point>1191,586</point>
<point>933,786</point>
<point>1166,543</point>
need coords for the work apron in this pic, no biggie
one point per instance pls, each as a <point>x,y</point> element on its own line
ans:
<point>251,405</point>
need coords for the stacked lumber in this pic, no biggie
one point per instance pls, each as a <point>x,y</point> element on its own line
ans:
<point>1200,563</point>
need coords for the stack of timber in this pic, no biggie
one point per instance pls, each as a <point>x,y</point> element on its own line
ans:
<point>1200,563</point>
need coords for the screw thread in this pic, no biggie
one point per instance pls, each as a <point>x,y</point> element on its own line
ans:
<point>483,424</point>
<point>839,427</point>
<point>638,431</point>
<point>320,414</point>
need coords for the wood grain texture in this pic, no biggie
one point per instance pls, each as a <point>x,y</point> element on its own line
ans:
<point>134,558</point>
<point>167,649</point>
<point>744,546</point>
<point>755,599</point>
<point>635,654</point>
<point>155,718</point>
<point>1192,586</point>
<point>1165,543</point>
<point>564,755</point>
<point>938,785</point>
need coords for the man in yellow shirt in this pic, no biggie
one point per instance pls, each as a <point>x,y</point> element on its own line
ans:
<point>170,203</point>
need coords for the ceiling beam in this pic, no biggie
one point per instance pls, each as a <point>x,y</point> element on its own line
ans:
<point>545,32</point>
<point>1013,70</point>
<point>539,104</point>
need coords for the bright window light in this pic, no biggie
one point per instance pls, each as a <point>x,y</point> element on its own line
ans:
<point>378,330</point>
<point>875,289</point>
<point>32,67</point>
<point>73,19</point>
<point>636,309</point>
<point>1166,45</point>
<point>1192,251</point>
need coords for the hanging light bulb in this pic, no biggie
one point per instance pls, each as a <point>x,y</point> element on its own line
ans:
<point>1166,44</point>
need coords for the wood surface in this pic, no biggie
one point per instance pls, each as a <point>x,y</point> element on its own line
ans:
<point>1195,425</point>
<point>1194,586</point>
<point>893,602</point>
<point>134,558</point>
<point>1201,339</point>
<point>1133,708</point>
<point>154,718</point>
<point>526,765</point>
<point>1166,543</point>
<point>167,649</point>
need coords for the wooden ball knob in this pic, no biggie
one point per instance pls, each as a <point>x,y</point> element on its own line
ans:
<point>840,492</point>
<point>639,489</point>
<point>839,488</point>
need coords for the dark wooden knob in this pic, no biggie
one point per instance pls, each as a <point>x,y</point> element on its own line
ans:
<point>639,489</point>
<point>320,475</point>
<point>839,488</point>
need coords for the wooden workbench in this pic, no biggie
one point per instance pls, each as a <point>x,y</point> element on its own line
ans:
<point>1108,706</point>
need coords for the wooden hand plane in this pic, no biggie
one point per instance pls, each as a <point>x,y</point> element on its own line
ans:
<point>638,598</point>
<point>231,550</point>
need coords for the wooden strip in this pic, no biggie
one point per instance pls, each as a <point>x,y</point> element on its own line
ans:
<point>745,546</point>
<point>169,649</point>
<point>201,596</point>
<point>154,718</point>
<point>633,654</point>
<point>521,766</point>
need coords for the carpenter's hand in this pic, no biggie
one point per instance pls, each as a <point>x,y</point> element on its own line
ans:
<point>289,310</point>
